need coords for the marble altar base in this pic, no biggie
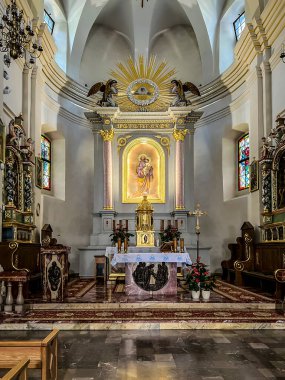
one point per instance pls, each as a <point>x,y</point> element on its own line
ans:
<point>131,288</point>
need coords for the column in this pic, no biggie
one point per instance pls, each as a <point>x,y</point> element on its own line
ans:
<point>26,100</point>
<point>179,136</point>
<point>267,97</point>
<point>108,136</point>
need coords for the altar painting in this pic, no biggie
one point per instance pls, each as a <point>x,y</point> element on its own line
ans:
<point>143,164</point>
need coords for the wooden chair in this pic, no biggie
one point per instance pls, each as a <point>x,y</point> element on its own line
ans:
<point>41,353</point>
<point>18,372</point>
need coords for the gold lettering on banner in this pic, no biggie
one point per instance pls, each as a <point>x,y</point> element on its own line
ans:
<point>143,126</point>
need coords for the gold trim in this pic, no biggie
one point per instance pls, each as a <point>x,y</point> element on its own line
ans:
<point>161,182</point>
<point>179,134</point>
<point>165,141</point>
<point>122,142</point>
<point>143,125</point>
<point>107,135</point>
<point>130,72</point>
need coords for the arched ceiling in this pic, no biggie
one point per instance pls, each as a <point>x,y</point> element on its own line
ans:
<point>140,26</point>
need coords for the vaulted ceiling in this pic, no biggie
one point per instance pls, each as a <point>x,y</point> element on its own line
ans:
<point>186,32</point>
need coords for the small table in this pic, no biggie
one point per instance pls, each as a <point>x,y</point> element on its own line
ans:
<point>159,276</point>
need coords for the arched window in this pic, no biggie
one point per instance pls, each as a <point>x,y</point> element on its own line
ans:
<point>46,158</point>
<point>243,162</point>
<point>239,25</point>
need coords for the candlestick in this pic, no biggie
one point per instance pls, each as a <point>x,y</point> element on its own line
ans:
<point>126,245</point>
<point>119,245</point>
<point>174,245</point>
<point>181,245</point>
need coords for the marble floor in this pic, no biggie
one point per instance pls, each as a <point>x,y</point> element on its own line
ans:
<point>161,355</point>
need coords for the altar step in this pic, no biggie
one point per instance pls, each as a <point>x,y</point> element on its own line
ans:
<point>144,316</point>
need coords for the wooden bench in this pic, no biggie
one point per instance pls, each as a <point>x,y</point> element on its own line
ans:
<point>18,372</point>
<point>254,264</point>
<point>41,353</point>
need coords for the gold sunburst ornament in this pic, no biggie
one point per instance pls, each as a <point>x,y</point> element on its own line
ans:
<point>143,86</point>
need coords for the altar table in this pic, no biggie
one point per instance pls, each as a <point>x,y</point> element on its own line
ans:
<point>159,277</point>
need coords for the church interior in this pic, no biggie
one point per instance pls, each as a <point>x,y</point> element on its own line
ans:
<point>142,189</point>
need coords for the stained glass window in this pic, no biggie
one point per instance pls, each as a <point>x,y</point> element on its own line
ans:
<point>243,162</point>
<point>239,25</point>
<point>46,158</point>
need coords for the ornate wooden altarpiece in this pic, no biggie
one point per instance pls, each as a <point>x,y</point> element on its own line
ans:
<point>18,218</point>
<point>272,164</point>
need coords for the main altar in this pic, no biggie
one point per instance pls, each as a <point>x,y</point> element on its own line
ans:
<point>142,135</point>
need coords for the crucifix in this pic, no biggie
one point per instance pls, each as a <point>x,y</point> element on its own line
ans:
<point>197,213</point>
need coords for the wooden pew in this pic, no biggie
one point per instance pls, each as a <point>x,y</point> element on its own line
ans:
<point>19,372</point>
<point>254,264</point>
<point>41,353</point>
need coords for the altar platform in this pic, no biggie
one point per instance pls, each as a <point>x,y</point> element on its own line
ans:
<point>99,307</point>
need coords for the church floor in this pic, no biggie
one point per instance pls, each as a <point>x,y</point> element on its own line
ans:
<point>161,355</point>
<point>100,307</point>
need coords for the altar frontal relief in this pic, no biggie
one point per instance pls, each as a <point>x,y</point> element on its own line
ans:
<point>143,165</point>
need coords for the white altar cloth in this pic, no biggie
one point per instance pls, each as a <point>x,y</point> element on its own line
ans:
<point>151,257</point>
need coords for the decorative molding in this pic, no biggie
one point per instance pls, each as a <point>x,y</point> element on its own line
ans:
<point>122,142</point>
<point>107,135</point>
<point>165,142</point>
<point>180,134</point>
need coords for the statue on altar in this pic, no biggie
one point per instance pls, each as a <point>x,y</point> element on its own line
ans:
<point>144,224</point>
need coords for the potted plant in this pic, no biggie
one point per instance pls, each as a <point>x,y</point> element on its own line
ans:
<point>121,233</point>
<point>207,286</point>
<point>199,278</point>
<point>194,287</point>
<point>169,234</point>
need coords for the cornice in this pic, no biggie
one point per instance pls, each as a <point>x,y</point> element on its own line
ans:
<point>258,37</point>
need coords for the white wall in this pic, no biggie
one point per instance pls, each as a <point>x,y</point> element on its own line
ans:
<point>104,49</point>
<point>179,46</point>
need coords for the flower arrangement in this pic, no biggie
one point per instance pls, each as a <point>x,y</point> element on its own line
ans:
<point>199,277</point>
<point>169,234</point>
<point>121,233</point>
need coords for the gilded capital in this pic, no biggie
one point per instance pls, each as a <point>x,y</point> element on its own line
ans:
<point>107,135</point>
<point>179,134</point>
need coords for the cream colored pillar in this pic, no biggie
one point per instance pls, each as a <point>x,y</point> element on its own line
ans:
<point>26,100</point>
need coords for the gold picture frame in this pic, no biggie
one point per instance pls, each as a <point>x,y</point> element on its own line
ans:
<point>143,168</point>
<point>39,172</point>
<point>254,177</point>
<point>2,141</point>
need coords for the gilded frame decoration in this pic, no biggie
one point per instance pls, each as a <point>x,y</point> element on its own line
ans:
<point>143,149</point>
<point>39,172</point>
<point>2,141</point>
<point>254,177</point>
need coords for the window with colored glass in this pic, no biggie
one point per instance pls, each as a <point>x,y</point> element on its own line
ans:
<point>46,158</point>
<point>243,162</point>
<point>239,25</point>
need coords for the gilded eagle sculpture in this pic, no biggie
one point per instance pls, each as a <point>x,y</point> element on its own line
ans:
<point>109,89</point>
<point>179,90</point>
